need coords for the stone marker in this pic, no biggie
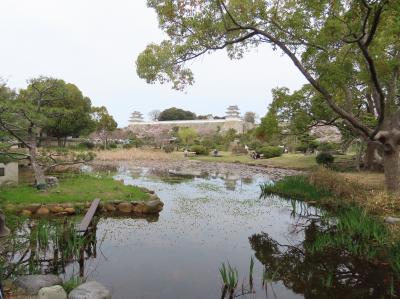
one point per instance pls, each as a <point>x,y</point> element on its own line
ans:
<point>31,284</point>
<point>4,230</point>
<point>392,220</point>
<point>90,290</point>
<point>54,292</point>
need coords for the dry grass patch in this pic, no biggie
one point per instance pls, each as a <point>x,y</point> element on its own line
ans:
<point>364,188</point>
<point>134,154</point>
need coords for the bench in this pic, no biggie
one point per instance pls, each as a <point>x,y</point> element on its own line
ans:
<point>190,154</point>
<point>85,223</point>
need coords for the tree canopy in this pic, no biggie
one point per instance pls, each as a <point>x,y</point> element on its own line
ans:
<point>67,111</point>
<point>348,51</point>
<point>176,114</point>
<point>104,123</point>
<point>45,106</point>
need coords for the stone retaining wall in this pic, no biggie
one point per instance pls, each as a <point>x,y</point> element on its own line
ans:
<point>152,206</point>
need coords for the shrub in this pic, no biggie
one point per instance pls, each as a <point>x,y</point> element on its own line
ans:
<point>112,145</point>
<point>238,149</point>
<point>270,151</point>
<point>87,145</point>
<point>327,147</point>
<point>128,146</point>
<point>199,150</point>
<point>255,144</point>
<point>169,148</point>
<point>325,158</point>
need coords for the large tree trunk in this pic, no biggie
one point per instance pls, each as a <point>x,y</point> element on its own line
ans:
<point>37,169</point>
<point>389,137</point>
<point>372,159</point>
<point>392,169</point>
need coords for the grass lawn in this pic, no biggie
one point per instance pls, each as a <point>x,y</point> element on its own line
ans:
<point>73,189</point>
<point>288,161</point>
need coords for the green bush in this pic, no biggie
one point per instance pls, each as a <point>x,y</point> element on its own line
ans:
<point>255,144</point>
<point>327,147</point>
<point>270,151</point>
<point>169,148</point>
<point>199,150</point>
<point>86,145</point>
<point>324,158</point>
<point>113,145</point>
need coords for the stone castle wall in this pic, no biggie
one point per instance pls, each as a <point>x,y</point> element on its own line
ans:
<point>201,126</point>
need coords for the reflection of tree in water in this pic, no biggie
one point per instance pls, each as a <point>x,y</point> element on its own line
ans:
<point>327,274</point>
<point>170,178</point>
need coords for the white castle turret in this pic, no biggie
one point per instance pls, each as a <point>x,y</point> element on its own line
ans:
<point>136,117</point>
<point>232,112</point>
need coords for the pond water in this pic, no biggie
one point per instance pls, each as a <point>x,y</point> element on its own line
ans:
<point>210,220</point>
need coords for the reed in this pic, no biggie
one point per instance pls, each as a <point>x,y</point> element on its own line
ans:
<point>134,154</point>
<point>230,279</point>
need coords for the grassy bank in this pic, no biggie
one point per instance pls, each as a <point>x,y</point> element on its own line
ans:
<point>352,219</point>
<point>287,161</point>
<point>79,188</point>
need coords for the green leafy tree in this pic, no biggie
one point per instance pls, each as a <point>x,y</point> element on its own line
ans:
<point>340,47</point>
<point>23,119</point>
<point>176,114</point>
<point>187,135</point>
<point>269,127</point>
<point>75,115</point>
<point>104,123</point>
<point>69,111</point>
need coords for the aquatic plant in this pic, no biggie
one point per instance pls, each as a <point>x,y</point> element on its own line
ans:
<point>296,187</point>
<point>72,283</point>
<point>353,230</point>
<point>230,279</point>
<point>251,271</point>
<point>42,246</point>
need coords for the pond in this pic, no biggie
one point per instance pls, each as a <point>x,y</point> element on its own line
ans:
<point>208,220</point>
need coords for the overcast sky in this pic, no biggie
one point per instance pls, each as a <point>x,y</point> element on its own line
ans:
<point>94,44</point>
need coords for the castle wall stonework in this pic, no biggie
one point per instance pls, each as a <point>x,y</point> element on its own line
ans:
<point>201,126</point>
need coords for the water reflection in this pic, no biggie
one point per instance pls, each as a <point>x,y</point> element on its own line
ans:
<point>41,246</point>
<point>209,219</point>
<point>319,274</point>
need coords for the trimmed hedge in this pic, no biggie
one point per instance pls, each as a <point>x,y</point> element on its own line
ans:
<point>199,150</point>
<point>270,151</point>
<point>324,158</point>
